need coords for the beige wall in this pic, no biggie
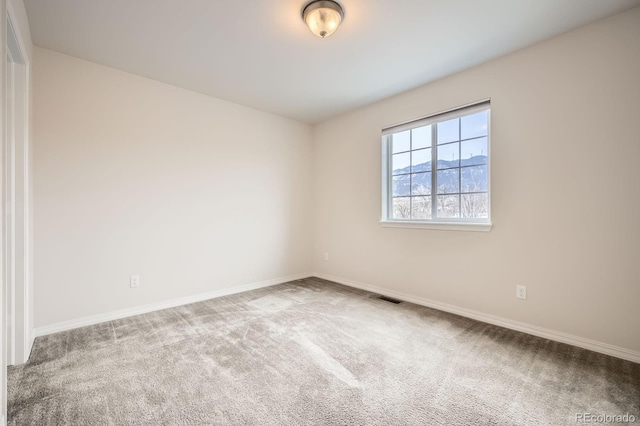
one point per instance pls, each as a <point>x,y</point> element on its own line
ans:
<point>137,177</point>
<point>196,194</point>
<point>565,181</point>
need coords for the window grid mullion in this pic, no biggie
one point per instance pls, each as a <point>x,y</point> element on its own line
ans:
<point>410,174</point>
<point>459,167</point>
<point>444,193</point>
<point>390,174</point>
<point>434,170</point>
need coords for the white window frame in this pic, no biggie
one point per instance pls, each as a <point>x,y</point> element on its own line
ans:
<point>452,224</point>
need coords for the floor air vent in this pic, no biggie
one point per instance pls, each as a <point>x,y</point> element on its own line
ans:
<point>389,299</point>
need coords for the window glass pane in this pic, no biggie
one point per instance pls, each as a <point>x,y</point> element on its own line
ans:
<point>421,137</point>
<point>421,208</point>
<point>401,141</point>
<point>474,179</point>
<point>449,155</point>
<point>401,208</point>
<point>448,181</point>
<point>474,125</point>
<point>448,206</point>
<point>400,185</point>
<point>448,131</point>
<point>421,160</point>
<point>475,205</point>
<point>421,184</point>
<point>400,163</point>
<point>473,151</point>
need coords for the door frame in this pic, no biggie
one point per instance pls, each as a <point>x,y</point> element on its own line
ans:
<point>17,198</point>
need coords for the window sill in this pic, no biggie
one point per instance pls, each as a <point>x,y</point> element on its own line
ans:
<point>441,226</point>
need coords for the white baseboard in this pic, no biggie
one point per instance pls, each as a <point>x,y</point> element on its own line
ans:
<point>28,345</point>
<point>124,313</point>
<point>32,338</point>
<point>546,333</point>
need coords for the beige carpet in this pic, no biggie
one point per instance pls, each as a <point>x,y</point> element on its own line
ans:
<point>312,352</point>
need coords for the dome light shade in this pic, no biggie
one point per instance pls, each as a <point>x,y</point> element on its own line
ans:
<point>323,17</point>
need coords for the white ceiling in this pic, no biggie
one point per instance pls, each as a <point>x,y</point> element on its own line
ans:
<point>259,53</point>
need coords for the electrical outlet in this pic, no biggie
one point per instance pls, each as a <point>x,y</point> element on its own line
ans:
<point>326,257</point>
<point>521,291</point>
<point>134,281</point>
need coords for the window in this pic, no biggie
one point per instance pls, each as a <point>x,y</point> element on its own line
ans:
<point>436,171</point>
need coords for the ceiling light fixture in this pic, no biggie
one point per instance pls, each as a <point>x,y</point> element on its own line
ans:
<point>323,17</point>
